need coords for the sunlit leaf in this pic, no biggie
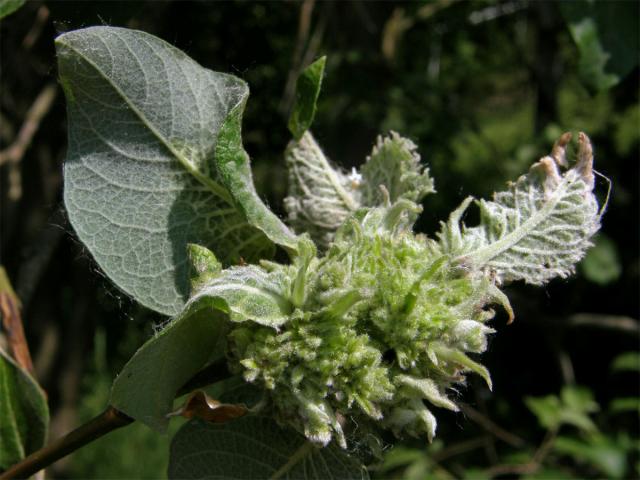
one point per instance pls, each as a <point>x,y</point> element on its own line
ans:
<point>536,230</point>
<point>155,161</point>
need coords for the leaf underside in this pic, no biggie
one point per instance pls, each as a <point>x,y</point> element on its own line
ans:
<point>536,230</point>
<point>255,447</point>
<point>143,176</point>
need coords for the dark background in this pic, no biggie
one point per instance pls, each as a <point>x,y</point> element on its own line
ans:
<point>483,88</point>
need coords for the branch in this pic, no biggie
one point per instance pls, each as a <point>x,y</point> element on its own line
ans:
<point>109,420</point>
<point>104,423</point>
<point>13,154</point>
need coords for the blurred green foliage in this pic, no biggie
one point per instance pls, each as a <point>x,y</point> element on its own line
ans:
<point>483,88</point>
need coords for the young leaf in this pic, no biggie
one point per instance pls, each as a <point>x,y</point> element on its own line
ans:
<point>147,385</point>
<point>245,293</point>
<point>395,164</point>
<point>535,231</point>
<point>320,197</point>
<point>155,162</point>
<point>307,91</point>
<point>255,447</point>
<point>24,414</point>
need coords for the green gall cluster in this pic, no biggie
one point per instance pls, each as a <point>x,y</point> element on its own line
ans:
<point>377,336</point>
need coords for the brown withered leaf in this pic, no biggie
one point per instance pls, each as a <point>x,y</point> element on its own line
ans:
<point>200,405</point>
<point>11,324</point>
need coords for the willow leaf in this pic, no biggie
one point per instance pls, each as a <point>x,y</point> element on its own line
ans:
<point>24,414</point>
<point>320,197</point>
<point>536,230</point>
<point>245,293</point>
<point>307,92</point>
<point>145,175</point>
<point>394,164</point>
<point>255,447</point>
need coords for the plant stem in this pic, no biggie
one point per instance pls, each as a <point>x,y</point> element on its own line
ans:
<point>104,423</point>
<point>109,420</point>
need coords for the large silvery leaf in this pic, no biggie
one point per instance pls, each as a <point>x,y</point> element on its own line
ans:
<point>155,162</point>
<point>255,447</point>
<point>320,197</point>
<point>536,230</point>
<point>394,164</point>
<point>24,414</point>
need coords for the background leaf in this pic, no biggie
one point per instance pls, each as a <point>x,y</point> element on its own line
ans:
<point>606,33</point>
<point>572,408</point>
<point>602,265</point>
<point>627,361</point>
<point>7,7</point>
<point>255,447</point>
<point>24,414</point>
<point>142,177</point>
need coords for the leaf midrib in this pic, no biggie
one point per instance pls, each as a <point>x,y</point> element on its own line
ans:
<point>482,255</point>
<point>212,185</point>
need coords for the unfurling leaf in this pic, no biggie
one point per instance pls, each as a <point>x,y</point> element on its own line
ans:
<point>307,91</point>
<point>245,293</point>
<point>200,405</point>
<point>535,231</point>
<point>320,197</point>
<point>394,164</point>
<point>155,162</point>
<point>255,447</point>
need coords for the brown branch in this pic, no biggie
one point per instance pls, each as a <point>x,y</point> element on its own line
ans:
<point>107,421</point>
<point>610,322</point>
<point>491,427</point>
<point>13,154</point>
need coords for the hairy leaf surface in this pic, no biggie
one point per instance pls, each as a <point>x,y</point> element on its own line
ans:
<point>155,161</point>
<point>245,293</point>
<point>320,197</point>
<point>538,229</point>
<point>395,164</point>
<point>24,414</point>
<point>255,447</point>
